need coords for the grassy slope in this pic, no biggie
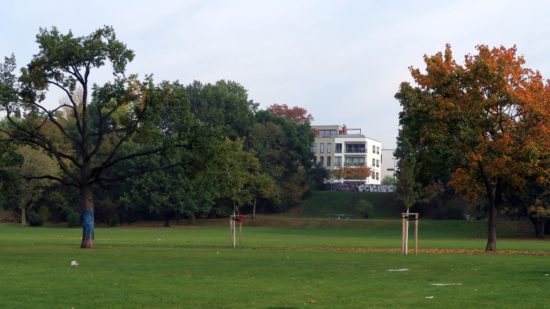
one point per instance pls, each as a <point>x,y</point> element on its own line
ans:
<point>190,267</point>
<point>323,204</point>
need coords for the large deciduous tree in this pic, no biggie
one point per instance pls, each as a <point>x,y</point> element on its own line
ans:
<point>484,122</point>
<point>91,128</point>
<point>283,147</point>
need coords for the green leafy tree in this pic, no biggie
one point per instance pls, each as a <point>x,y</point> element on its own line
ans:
<point>119,108</point>
<point>237,170</point>
<point>283,148</point>
<point>224,105</point>
<point>188,188</point>
<point>9,159</point>
<point>28,189</point>
<point>389,180</point>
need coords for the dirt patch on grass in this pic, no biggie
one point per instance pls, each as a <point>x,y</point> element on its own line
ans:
<point>420,251</point>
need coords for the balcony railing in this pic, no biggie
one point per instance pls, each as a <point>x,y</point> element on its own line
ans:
<point>353,150</point>
<point>354,164</point>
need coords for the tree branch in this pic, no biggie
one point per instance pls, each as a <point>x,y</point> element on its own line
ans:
<point>129,133</point>
<point>55,178</point>
<point>34,137</point>
<point>137,172</point>
<point>101,132</point>
<point>50,115</point>
<point>74,104</point>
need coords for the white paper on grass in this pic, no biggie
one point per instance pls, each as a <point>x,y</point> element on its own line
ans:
<point>446,284</point>
<point>399,269</point>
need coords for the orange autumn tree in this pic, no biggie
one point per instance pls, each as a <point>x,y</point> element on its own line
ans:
<point>491,111</point>
<point>352,173</point>
<point>535,151</point>
<point>296,114</point>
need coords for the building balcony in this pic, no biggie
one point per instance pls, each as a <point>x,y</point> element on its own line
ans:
<point>354,164</point>
<point>360,150</point>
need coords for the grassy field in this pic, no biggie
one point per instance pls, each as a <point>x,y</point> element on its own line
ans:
<point>283,264</point>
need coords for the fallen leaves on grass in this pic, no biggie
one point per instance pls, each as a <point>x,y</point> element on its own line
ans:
<point>425,251</point>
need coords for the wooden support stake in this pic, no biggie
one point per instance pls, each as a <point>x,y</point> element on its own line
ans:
<point>232,230</point>
<point>240,233</point>
<point>402,234</point>
<point>416,235</point>
<point>407,235</point>
<point>405,217</point>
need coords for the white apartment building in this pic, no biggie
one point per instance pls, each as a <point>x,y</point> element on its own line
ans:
<point>337,146</point>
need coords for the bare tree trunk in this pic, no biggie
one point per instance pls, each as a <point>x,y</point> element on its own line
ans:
<point>88,226</point>
<point>23,215</point>
<point>492,228</point>
<point>493,197</point>
<point>254,208</point>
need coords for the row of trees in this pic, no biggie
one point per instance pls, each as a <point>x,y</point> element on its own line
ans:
<point>481,128</point>
<point>132,148</point>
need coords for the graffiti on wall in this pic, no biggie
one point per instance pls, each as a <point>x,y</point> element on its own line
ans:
<point>376,188</point>
<point>361,187</point>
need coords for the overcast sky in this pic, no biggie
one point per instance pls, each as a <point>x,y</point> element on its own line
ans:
<point>341,60</point>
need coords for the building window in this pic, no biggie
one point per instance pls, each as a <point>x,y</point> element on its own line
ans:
<point>329,147</point>
<point>373,162</point>
<point>377,176</point>
<point>328,160</point>
<point>314,148</point>
<point>373,149</point>
<point>377,150</point>
<point>327,133</point>
<point>377,163</point>
<point>355,161</point>
<point>338,160</point>
<point>322,160</point>
<point>355,148</point>
<point>321,148</point>
<point>338,148</point>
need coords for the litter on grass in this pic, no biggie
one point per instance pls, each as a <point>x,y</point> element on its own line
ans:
<point>429,297</point>
<point>74,264</point>
<point>399,269</point>
<point>446,284</point>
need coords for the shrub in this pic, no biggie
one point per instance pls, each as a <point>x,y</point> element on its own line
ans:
<point>73,218</point>
<point>113,220</point>
<point>35,219</point>
<point>365,208</point>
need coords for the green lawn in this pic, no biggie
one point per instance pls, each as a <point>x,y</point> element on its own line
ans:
<point>279,266</point>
